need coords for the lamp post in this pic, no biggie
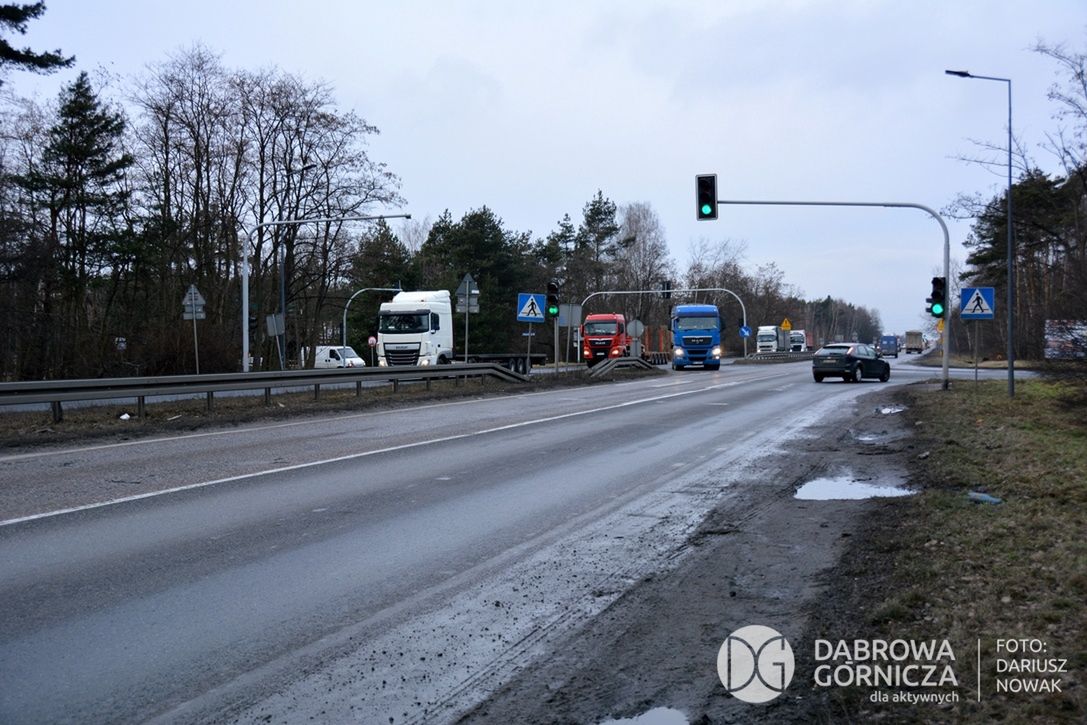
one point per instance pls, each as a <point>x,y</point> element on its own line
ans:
<point>343,330</point>
<point>1011,249</point>
<point>282,268</point>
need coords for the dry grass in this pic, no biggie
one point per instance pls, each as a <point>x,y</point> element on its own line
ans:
<point>969,571</point>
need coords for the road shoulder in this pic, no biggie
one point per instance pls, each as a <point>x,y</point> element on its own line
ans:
<point>761,557</point>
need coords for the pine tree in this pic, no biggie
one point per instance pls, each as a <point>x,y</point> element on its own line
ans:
<point>14,18</point>
<point>80,180</point>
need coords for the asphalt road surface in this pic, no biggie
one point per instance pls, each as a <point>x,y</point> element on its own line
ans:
<point>385,565</point>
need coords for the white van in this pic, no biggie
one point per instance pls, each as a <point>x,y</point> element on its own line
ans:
<point>334,356</point>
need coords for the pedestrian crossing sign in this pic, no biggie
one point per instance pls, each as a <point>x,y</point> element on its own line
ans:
<point>530,307</point>
<point>978,303</point>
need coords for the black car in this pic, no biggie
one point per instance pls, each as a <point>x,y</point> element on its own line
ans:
<point>849,361</point>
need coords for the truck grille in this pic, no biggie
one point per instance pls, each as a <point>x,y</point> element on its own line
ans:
<point>599,343</point>
<point>703,340</point>
<point>408,356</point>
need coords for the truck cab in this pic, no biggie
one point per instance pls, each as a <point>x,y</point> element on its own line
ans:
<point>604,336</point>
<point>888,346</point>
<point>415,328</point>
<point>696,336</point>
<point>771,338</point>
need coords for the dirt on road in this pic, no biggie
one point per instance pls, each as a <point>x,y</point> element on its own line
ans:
<point>764,557</point>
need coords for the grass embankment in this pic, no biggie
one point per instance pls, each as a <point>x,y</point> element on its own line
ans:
<point>966,571</point>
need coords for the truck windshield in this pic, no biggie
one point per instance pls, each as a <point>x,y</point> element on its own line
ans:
<point>399,322</point>
<point>766,337</point>
<point>600,328</point>
<point>697,323</point>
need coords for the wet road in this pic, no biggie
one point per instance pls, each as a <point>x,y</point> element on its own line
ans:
<point>192,576</point>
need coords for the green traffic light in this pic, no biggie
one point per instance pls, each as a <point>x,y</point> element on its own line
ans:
<point>706,209</point>
<point>937,309</point>
<point>553,311</point>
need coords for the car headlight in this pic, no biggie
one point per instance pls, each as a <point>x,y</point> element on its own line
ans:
<point>679,352</point>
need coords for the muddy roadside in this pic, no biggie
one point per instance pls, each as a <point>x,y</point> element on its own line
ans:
<point>764,557</point>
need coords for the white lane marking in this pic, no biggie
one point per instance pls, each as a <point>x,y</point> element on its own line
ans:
<point>355,456</point>
<point>292,424</point>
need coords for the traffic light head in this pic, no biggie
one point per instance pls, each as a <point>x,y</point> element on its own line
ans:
<point>552,300</point>
<point>706,196</point>
<point>938,300</point>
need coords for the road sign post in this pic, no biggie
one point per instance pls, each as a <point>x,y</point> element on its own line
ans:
<point>531,308</point>
<point>977,303</point>
<point>192,308</point>
<point>467,302</point>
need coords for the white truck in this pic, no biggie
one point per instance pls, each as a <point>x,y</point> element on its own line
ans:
<point>798,341</point>
<point>915,342</point>
<point>333,356</point>
<point>415,328</point>
<point>771,338</point>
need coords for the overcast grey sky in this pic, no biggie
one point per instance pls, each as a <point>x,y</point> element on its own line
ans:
<point>531,107</point>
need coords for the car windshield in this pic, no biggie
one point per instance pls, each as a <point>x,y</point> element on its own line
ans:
<point>835,350</point>
<point>404,322</point>
<point>697,323</point>
<point>601,328</point>
<point>346,351</point>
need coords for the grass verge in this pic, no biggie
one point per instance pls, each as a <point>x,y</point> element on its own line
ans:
<point>941,566</point>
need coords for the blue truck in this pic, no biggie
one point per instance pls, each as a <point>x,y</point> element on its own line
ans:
<point>696,336</point>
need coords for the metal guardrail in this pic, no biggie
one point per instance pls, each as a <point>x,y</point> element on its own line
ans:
<point>57,392</point>
<point>616,363</point>
<point>781,356</point>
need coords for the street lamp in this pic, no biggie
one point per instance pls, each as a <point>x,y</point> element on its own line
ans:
<point>283,310</point>
<point>343,330</point>
<point>1011,259</point>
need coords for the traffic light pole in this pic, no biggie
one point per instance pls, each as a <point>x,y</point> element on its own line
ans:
<point>894,205</point>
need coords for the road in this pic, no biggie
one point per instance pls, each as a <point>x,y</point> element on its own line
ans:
<point>239,572</point>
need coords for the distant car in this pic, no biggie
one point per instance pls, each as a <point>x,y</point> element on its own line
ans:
<point>849,361</point>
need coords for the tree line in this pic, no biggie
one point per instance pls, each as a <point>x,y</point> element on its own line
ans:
<point>109,210</point>
<point>1049,229</point>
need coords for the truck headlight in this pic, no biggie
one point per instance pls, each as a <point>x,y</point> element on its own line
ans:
<point>679,352</point>
<point>716,352</point>
<point>424,362</point>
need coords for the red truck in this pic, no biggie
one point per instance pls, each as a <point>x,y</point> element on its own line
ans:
<point>604,336</point>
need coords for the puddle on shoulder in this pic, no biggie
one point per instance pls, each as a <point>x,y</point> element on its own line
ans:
<point>656,716</point>
<point>848,487</point>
